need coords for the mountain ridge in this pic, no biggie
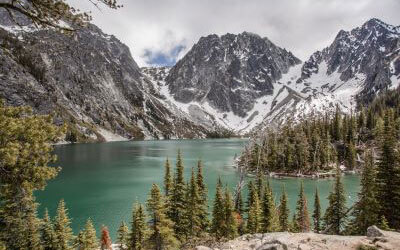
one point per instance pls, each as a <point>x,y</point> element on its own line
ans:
<point>234,82</point>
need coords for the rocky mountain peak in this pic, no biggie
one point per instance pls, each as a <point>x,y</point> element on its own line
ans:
<point>228,72</point>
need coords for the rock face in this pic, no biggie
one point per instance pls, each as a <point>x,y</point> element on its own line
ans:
<point>88,80</point>
<point>311,241</point>
<point>371,50</point>
<point>241,83</point>
<point>246,83</point>
<point>229,72</point>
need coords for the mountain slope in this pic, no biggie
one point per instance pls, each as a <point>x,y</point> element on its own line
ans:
<point>245,83</point>
<point>221,77</point>
<point>88,80</point>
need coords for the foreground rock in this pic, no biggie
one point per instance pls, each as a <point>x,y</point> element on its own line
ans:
<point>375,239</point>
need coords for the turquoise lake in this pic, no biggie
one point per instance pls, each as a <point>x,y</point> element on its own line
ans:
<point>103,180</point>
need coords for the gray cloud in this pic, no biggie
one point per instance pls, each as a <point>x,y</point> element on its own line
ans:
<point>301,26</point>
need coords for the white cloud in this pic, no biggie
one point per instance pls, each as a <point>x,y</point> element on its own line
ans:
<point>301,26</point>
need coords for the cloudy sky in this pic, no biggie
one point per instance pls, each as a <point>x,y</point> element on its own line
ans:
<point>158,32</point>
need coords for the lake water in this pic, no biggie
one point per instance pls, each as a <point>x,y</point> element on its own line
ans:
<point>103,180</point>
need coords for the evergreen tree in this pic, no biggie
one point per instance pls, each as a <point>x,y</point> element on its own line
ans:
<point>218,215</point>
<point>383,224</point>
<point>161,227</point>
<point>366,210</point>
<point>239,206</point>
<point>335,215</point>
<point>303,219</point>
<point>317,214</point>
<point>336,130</point>
<point>25,152</point>
<point>388,175</point>
<point>47,232</point>
<point>79,241</point>
<point>105,242</point>
<point>270,220</point>
<point>203,203</point>
<point>33,232</point>
<point>252,190</point>
<point>90,240</point>
<point>178,205</point>
<point>193,207</point>
<point>123,236</point>
<point>254,218</point>
<point>62,231</point>
<point>231,228</point>
<point>259,184</point>
<point>139,228</point>
<point>350,156</point>
<point>168,181</point>
<point>294,226</point>
<point>284,212</point>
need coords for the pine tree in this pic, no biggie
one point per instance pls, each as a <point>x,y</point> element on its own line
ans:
<point>105,242</point>
<point>90,241</point>
<point>350,156</point>
<point>336,132</point>
<point>270,219</point>
<point>79,241</point>
<point>383,224</point>
<point>231,228</point>
<point>47,232</point>
<point>335,215</point>
<point>317,214</point>
<point>218,215</point>
<point>138,228</point>
<point>239,210</point>
<point>178,205</point>
<point>62,230</point>
<point>284,212</point>
<point>161,227</point>
<point>33,232</point>
<point>193,223</point>
<point>254,218</point>
<point>294,226</point>
<point>25,153</point>
<point>303,219</point>
<point>388,175</point>
<point>366,210</point>
<point>168,181</point>
<point>259,184</point>
<point>123,236</point>
<point>203,203</point>
<point>239,206</point>
<point>252,190</point>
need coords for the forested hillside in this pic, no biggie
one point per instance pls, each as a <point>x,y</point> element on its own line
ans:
<point>319,143</point>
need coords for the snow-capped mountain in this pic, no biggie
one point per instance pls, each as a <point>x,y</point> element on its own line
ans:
<point>89,81</point>
<point>240,83</point>
<point>219,80</point>
<point>244,81</point>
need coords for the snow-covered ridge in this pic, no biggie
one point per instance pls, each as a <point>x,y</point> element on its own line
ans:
<point>350,69</point>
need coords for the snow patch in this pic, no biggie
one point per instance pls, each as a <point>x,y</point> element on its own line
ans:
<point>109,136</point>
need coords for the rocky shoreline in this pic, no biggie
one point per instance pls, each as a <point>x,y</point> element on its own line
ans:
<point>375,239</point>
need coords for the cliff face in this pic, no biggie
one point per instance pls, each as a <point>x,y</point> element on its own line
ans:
<point>375,239</point>
<point>89,81</point>
<point>246,83</point>
<point>229,72</point>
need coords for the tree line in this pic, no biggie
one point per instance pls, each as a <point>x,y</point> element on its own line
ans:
<point>319,143</point>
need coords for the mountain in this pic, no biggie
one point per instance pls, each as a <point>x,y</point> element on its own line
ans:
<point>89,81</point>
<point>219,80</point>
<point>225,84</point>
<point>369,53</point>
<point>245,83</point>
